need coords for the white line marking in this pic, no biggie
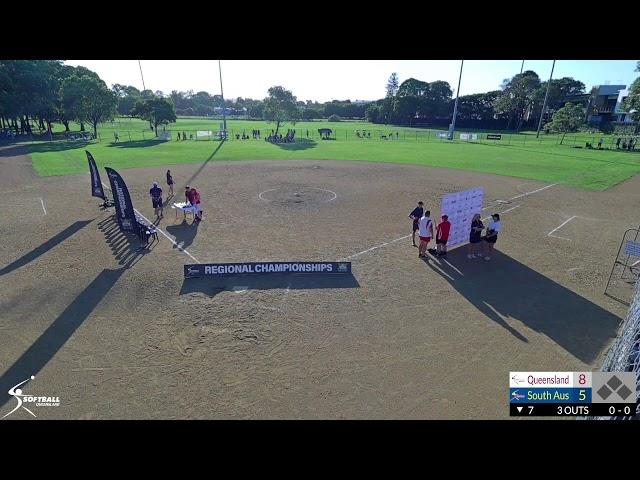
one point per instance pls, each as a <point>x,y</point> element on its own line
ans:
<point>240,288</point>
<point>379,246</point>
<point>550,234</point>
<point>506,211</point>
<point>42,203</point>
<point>534,191</point>
<point>162,232</point>
<point>521,195</point>
<point>335,195</point>
<point>260,194</point>
<point>561,238</point>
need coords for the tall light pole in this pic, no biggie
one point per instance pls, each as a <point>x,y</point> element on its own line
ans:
<point>544,104</point>
<point>140,65</point>
<point>224,113</point>
<point>455,106</point>
<point>522,67</point>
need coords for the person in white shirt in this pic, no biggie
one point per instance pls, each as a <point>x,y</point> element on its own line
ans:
<point>492,235</point>
<point>425,227</point>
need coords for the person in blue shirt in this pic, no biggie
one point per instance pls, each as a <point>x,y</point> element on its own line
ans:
<point>415,215</point>
<point>156,198</point>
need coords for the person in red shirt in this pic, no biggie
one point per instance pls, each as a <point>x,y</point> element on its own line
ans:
<point>442,235</point>
<point>195,201</point>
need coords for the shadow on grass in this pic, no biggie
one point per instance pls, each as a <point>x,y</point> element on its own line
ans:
<point>505,289</point>
<point>299,144</point>
<point>214,285</point>
<point>44,147</point>
<point>137,143</point>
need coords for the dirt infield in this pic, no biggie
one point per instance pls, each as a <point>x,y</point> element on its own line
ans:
<point>121,335</point>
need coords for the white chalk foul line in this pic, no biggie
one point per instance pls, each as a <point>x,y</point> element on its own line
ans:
<point>162,232</point>
<point>534,191</point>
<point>521,195</point>
<point>550,234</point>
<point>379,246</point>
<point>506,211</point>
<point>42,203</point>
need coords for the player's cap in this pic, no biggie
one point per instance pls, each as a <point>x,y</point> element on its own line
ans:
<point>155,184</point>
<point>445,217</point>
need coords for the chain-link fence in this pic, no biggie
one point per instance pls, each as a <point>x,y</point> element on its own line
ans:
<point>578,140</point>
<point>624,354</point>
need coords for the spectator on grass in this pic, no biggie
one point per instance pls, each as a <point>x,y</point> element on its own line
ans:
<point>492,235</point>
<point>415,215</point>
<point>115,136</point>
<point>178,139</point>
<point>184,135</point>
<point>425,229</point>
<point>475,236</point>
<point>600,143</point>
<point>442,236</point>
<point>618,142</point>
<point>156,199</point>
<point>170,183</point>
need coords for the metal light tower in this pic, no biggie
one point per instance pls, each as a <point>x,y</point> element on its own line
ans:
<point>140,65</point>
<point>224,107</point>
<point>522,67</point>
<point>455,106</point>
<point>544,104</point>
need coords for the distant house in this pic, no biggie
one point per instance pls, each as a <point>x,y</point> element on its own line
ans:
<point>603,104</point>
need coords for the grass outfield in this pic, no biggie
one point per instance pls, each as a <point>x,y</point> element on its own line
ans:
<point>539,160</point>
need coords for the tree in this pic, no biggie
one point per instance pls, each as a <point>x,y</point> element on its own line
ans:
<point>280,107</point>
<point>127,97</point>
<point>87,99</point>
<point>632,102</point>
<point>561,91</point>
<point>372,113</point>
<point>479,106</point>
<point>392,85</point>
<point>567,119</point>
<point>519,95</point>
<point>161,112</point>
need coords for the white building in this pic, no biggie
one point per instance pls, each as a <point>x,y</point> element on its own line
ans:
<point>622,115</point>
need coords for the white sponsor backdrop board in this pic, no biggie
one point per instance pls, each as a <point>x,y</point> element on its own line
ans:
<point>461,207</point>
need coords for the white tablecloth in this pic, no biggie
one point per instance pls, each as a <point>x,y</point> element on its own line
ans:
<point>185,207</point>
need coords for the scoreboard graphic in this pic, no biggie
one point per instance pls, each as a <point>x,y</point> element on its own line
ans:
<point>535,394</point>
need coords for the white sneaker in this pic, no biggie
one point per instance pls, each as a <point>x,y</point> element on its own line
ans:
<point>487,258</point>
<point>471,256</point>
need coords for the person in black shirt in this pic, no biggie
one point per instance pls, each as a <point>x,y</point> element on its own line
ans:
<point>156,199</point>
<point>170,183</point>
<point>415,215</point>
<point>475,236</point>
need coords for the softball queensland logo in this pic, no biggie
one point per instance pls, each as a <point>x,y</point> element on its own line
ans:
<point>25,400</point>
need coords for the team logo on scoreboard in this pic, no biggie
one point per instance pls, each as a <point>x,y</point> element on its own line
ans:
<point>342,267</point>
